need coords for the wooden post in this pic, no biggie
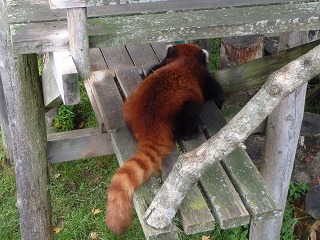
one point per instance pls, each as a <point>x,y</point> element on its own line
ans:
<point>22,91</point>
<point>79,40</point>
<point>4,124</point>
<point>282,131</point>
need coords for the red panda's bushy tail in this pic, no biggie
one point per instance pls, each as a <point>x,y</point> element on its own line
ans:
<point>134,172</point>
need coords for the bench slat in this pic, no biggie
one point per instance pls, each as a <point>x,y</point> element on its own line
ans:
<point>220,192</point>
<point>116,58</point>
<point>245,176</point>
<point>142,54</point>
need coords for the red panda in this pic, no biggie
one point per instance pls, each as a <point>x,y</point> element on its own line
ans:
<point>165,107</point>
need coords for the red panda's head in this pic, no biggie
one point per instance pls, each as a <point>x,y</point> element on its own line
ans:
<point>187,51</point>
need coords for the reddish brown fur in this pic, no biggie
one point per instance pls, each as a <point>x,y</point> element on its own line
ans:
<point>150,113</point>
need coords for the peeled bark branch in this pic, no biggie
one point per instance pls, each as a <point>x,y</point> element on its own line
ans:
<point>191,165</point>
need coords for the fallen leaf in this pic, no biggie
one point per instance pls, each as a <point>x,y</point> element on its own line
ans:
<point>96,211</point>
<point>94,235</point>
<point>57,229</point>
<point>206,238</point>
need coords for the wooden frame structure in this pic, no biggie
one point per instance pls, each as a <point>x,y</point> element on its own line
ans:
<point>29,27</point>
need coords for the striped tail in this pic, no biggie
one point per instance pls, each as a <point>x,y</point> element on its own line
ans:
<point>134,172</point>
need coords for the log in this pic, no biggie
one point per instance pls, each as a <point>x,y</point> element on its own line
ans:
<point>237,50</point>
<point>22,90</point>
<point>283,131</point>
<point>191,166</point>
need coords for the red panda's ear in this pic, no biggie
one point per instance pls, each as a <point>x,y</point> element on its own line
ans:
<point>203,56</point>
<point>170,51</point>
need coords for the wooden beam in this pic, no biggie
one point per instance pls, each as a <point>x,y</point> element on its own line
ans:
<point>23,98</point>
<point>170,26</point>
<point>24,11</point>
<point>50,90</point>
<point>66,76</point>
<point>78,144</point>
<point>62,4</point>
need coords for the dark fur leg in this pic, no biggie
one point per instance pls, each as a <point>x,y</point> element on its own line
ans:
<point>188,124</point>
<point>214,91</point>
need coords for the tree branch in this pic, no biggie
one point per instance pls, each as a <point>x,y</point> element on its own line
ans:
<point>191,165</point>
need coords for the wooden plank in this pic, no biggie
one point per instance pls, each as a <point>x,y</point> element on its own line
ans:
<point>56,4</point>
<point>224,200</point>
<point>194,213</point>
<point>160,49</point>
<point>142,54</point>
<point>97,62</point>
<point>110,101</point>
<point>244,175</point>
<point>116,57</point>
<point>78,144</point>
<point>50,90</point>
<point>66,76</point>
<point>169,26</point>
<point>25,11</point>
<point>79,40</point>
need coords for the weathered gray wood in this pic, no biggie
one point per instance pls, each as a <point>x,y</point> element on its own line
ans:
<point>56,4</point>
<point>79,40</point>
<point>194,213</point>
<point>253,74</point>
<point>110,102</point>
<point>142,54</point>
<point>160,49</point>
<point>66,76</point>
<point>78,144</point>
<point>22,91</point>
<point>158,27</point>
<point>224,200</point>
<point>282,132</point>
<point>191,166</point>
<point>116,58</point>
<point>37,11</point>
<point>244,175</point>
<point>50,90</point>
<point>96,60</point>
<point>4,126</point>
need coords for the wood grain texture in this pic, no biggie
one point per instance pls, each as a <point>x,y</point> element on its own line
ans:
<point>56,4</point>
<point>224,200</point>
<point>78,144</point>
<point>246,178</point>
<point>22,91</point>
<point>170,26</point>
<point>66,76</point>
<point>79,40</point>
<point>50,90</point>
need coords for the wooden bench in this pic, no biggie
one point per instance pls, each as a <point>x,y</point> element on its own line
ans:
<point>32,27</point>
<point>234,189</point>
